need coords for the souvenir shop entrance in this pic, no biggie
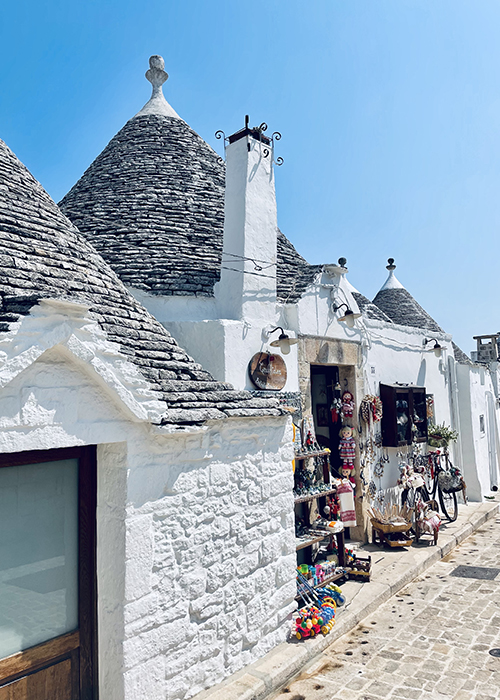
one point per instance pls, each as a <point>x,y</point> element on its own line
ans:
<point>326,394</point>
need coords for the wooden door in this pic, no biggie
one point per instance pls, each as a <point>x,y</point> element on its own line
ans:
<point>47,575</point>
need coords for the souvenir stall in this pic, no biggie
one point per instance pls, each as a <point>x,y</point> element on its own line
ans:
<point>324,509</point>
<point>427,483</point>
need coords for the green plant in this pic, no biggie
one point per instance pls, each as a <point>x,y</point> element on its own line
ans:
<point>440,435</point>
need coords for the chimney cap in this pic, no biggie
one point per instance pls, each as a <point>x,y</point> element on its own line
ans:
<point>256,132</point>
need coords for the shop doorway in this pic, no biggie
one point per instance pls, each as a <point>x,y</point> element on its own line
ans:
<point>48,575</point>
<point>324,389</point>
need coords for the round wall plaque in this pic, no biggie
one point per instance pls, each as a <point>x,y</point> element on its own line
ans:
<point>267,371</point>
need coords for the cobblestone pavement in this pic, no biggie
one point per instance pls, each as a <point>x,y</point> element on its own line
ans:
<point>429,641</point>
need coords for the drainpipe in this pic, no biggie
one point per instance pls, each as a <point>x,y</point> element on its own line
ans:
<point>455,410</point>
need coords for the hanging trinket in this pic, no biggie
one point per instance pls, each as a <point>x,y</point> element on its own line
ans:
<point>347,409</point>
<point>372,489</point>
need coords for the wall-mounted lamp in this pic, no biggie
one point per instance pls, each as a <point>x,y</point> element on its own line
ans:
<point>349,317</point>
<point>283,342</point>
<point>437,349</point>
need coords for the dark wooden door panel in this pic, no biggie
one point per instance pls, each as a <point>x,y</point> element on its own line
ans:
<point>36,657</point>
<point>53,683</point>
<point>62,668</point>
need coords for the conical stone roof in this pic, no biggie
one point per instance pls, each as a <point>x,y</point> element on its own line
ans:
<point>152,204</point>
<point>44,256</point>
<point>399,305</point>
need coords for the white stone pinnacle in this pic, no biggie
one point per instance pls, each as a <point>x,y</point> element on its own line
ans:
<point>392,281</point>
<point>157,104</point>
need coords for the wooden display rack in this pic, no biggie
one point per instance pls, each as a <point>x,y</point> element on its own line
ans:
<point>380,534</point>
<point>307,500</point>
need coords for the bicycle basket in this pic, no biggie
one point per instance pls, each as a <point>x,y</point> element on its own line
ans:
<point>450,481</point>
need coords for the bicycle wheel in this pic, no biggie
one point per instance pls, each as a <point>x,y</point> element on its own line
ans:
<point>449,504</point>
<point>424,493</point>
<point>428,480</point>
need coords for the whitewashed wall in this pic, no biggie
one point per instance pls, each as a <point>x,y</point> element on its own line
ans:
<point>315,316</point>
<point>226,347</point>
<point>480,448</point>
<point>196,547</point>
<point>396,355</point>
<point>210,554</point>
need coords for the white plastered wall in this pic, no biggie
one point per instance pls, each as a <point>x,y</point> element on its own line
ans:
<point>395,354</point>
<point>225,348</point>
<point>196,548</point>
<point>480,448</point>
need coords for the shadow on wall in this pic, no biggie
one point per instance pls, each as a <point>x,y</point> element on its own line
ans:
<point>422,373</point>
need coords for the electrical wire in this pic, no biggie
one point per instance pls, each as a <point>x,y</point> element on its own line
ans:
<point>247,272</point>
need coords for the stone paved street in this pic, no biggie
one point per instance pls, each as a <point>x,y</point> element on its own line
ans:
<point>429,641</point>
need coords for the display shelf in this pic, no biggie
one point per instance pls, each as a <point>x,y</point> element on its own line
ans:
<point>306,455</point>
<point>330,579</point>
<point>327,580</point>
<point>308,543</point>
<point>311,497</point>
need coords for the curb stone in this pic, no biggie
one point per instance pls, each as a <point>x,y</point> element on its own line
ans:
<point>267,675</point>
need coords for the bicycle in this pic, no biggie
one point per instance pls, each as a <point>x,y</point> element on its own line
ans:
<point>434,482</point>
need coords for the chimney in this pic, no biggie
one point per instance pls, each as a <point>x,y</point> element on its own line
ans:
<point>247,289</point>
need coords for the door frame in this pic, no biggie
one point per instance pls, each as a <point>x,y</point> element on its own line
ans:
<point>87,687</point>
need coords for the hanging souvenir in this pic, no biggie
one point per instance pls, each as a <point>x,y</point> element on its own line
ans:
<point>336,403</point>
<point>335,409</point>
<point>371,409</point>
<point>347,450</point>
<point>347,409</point>
<point>372,489</point>
<point>348,473</point>
<point>346,499</point>
<point>347,446</point>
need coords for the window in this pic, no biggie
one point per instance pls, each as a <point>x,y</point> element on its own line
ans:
<point>404,419</point>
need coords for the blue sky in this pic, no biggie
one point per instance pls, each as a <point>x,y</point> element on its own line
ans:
<point>389,110</point>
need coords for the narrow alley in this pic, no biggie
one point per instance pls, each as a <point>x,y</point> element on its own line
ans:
<point>431,640</point>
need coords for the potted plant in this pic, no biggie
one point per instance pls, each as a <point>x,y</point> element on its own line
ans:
<point>440,435</point>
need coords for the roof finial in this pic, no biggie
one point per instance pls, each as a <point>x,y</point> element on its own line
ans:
<point>157,103</point>
<point>391,282</point>
<point>156,73</point>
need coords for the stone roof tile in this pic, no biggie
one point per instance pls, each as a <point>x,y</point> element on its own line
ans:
<point>460,355</point>
<point>402,308</point>
<point>397,302</point>
<point>369,309</point>
<point>46,257</point>
<point>152,204</point>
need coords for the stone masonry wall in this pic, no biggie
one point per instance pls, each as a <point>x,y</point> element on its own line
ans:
<point>210,560</point>
<point>195,543</point>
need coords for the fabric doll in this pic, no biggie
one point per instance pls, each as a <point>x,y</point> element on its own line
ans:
<point>348,473</point>
<point>347,449</point>
<point>347,404</point>
<point>347,446</point>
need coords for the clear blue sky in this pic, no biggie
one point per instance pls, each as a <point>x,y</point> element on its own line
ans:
<point>389,110</point>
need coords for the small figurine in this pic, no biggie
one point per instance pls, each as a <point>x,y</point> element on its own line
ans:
<point>309,442</point>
